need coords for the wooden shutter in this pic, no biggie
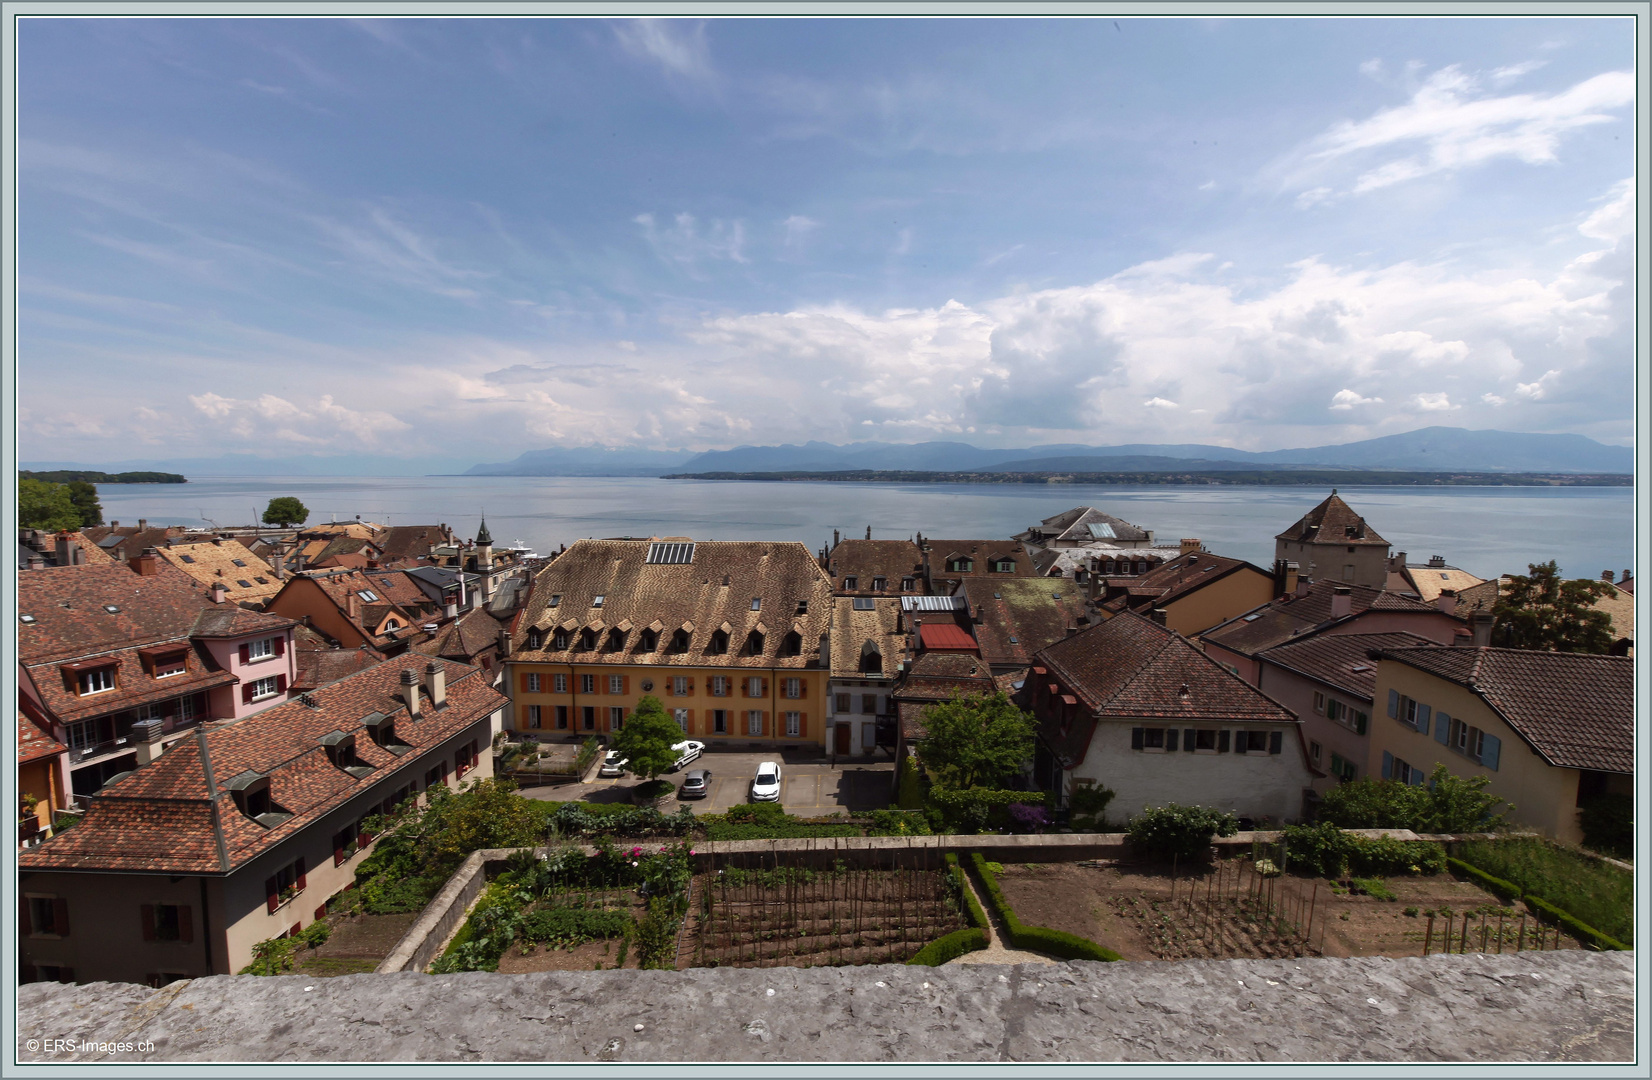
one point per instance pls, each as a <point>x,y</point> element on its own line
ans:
<point>691,686</point>
<point>146,913</point>
<point>1387,765</point>
<point>1187,740</point>
<point>802,687</point>
<point>338,848</point>
<point>525,683</point>
<point>246,693</point>
<point>1135,738</point>
<point>1359,724</point>
<point>280,645</point>
<point>186,923</point>
<point>60,917</point>
<point>281,684</point>
<point>1222,741</point>
<point>1491,749</point>
<point>1423,712</point>
<point>1276,741</point>
<point>1442,729</point>
<point>1170,739</point>
<point>272,893</point>
<point>669,688</point>
<point>246,652</point>
<point>298,868</point>
<point>1394,704</point>
<point>803,724</point>
<point>625,684</point>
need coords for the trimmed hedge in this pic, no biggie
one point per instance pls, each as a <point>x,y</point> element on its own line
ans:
<point>1508,890</point>
<point>1035,938</point>
<point>950,947</point>
<point>978,809</point>
<point>972,907</point>
<point>1578,929</point>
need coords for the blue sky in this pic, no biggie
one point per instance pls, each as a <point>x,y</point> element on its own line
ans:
<point>469,238</point>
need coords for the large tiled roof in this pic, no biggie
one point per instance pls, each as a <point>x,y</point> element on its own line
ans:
<point>702,596</point>
<point>1576,709</point>
<point>34,744</point>
<point>316,662</point>
<point>397,597</point>
<point>68,604</point>
<point>1332,522</point>
<point>983,555</point>
<point>1019,616</point>
<point>1165,584</point>
<point>412,541</point>
<point>853,629</point>
<point>126,541</point>
<point>1084,524</point>
<point>163,819</point>
<point>1427,582</point>
<point>464,639</point>
<point>1291,617</point>
<point>1341,660</point>
<point>214,562</point>
<point>866,560</point>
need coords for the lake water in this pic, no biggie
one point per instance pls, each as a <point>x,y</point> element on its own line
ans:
<point>1484,530</point>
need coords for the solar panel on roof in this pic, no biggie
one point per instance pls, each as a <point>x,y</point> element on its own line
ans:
<point>1102,531</point>
<point>674,554</point>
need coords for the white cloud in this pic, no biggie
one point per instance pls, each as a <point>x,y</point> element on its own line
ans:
<point>1372,68</point>
<point>798,230</point>
<point>1313,197</point>
<point>1493,399</point>
<point>1538,389</point>
<point>1515,71</point>
<point>1160,403</point>
<point>1346,399</point>
<point>1615,219</point>
<point>1437,402</point>
<point>686,242</point>
<point>678,48</point>
<point>1449,125</point>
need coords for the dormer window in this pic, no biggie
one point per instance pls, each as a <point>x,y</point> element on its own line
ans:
<point>164,663</point>
<point>960,566</point>
<point>851,583</point>
<point>1005,566</point>
<point>719,643</point>
<point>879,584</point>
<point>96,680</point>
<point>754,643</point>
<point>559,640</point>
<point>616,640</point>
<point>251,791</point>
<point>383,731</point>
<point>909,584</point>
<point>792,644</point>
<point>341,751</point>
<point>587,639</point>
<point>648,641</point>
<point>391,624</point>
<point>679,641</point>
<point>535,639</point>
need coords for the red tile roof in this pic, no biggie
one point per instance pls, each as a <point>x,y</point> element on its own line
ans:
<point>1577,710</point>
<point>865,560</point>
<point>163,819</point>
<point>1291,617</point>
<point>1332,522</point>
<point>1340,660</point>
<point>33,744</point>
<point>1019,616</point>
<point>946,636</point>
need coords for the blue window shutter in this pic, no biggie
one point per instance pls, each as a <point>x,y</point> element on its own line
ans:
<point>1387,765</point>
<point>1422,717</point>
<point>1276,741</point>
<point>1417,778</point>
<point>1394,704</point>
<point>1442,729</point>
<point>1490,748</point>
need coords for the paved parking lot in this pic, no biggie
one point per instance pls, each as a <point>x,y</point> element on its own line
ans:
<point>810,786</point>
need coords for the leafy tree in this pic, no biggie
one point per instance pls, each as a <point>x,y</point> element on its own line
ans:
<point>44,505</point>
<point>84,496</point>
<point>1178,831</point>
<point>1447,804</point>
<point>285,510</point>
<point>647,739</point>
<point>1542,611</point>
<point>976,740</point>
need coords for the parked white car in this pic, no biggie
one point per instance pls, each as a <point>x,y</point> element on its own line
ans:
<point>613,764</point>
<point>687,752</point>
<point>765,786</point>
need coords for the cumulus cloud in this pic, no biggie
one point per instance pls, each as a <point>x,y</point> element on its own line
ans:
<point>1344,400</point>
<point>1438,402</point>
<point>1451,124</point>
<point>324,422</point>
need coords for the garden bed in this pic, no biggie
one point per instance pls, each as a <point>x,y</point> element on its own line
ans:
<point>1130,909</point>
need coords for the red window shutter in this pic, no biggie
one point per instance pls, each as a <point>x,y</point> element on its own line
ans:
<point>803,724</point>
<point>691,687</point>
<point>299,870</point>
<point>667,682</point>
<point>338,849</point>
<point>186,923</point>
<point>625,684</point>
<point>246,693</point>
<point>320,913</point>
<point>281,684</point>
<point>146,912</point>
<point>272,893</point>
<point>246,652</point>
<point>803,687</point>
<point>281,645</point>
<point>60,917</point>
<point>524,683</point>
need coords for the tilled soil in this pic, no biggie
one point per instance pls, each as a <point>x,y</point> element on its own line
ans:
<point>1129,909</point>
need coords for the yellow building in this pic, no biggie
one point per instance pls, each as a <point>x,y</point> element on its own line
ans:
<point>1196,591</point>
<point>733,638</point>
<point>1551,730</point>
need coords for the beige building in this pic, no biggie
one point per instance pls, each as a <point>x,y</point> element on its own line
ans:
<point>1551,730</point>
<point>1332,541</point>
<point>242,833</point>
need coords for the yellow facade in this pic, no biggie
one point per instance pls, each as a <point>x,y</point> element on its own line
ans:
<point>578,687</point>
<point>1230,595</point>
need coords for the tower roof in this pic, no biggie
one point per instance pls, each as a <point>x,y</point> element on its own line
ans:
<point>482,534</point>
<point>1332,522</point>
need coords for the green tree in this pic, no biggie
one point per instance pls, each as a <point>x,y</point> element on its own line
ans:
<point>1447,804</point>
<point>1543,611</point>
<point>44,505</point>
<point>84,496</point>
<point>647,739</point>
<point>975,740</point>
<point>285,510</point>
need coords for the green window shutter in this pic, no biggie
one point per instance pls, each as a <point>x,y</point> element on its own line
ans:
<point>1442,729</point>
<point>1491,748</point>
<point>1359,723</point>
<point>1387,765</point>
<point>1394,704</point>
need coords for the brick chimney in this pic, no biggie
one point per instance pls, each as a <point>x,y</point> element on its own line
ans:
<point>410,692</point>
<point>218,592</point>
<point>1190,544</point>
<point>37,562</point>
<point>1160,615</point>
<point>435,681</point>
<point>1606,575</point>
<point>143,523</point>
<point>1285,576</point>
<point>1447,601</point>
<point>1342,602</point>
<point>1481,622</point>
<point>352,605</point>
<point>147,564</point>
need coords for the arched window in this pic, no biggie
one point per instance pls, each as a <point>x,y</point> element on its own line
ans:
<point>719,643</point>
<point>754,644</point>
<point>791,644</point>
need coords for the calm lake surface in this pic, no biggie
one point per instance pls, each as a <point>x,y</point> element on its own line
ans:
<point>1484,530</point>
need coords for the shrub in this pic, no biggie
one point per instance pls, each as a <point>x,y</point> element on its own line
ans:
<point>1593,892</point>
<point>899,823</point>
<point>971,906</point>
<point>1447,804</point>
<point>657,936</point>
<point>315,935</point>
<point>1088,803</point>
<point>1385,856</point>
<point>565,927</point>
<point>767,821</point>
<point>913,785</point>
<point>1178,831</point>
<point>1322,848</point>
<point>1373,887</point>
<point>1578,929</point>
<point>618,819</point>
<point>975,809</point>
<point>1028,819</point>
<point>950,947</point>
<point>1039,938</point>
<point>273,956</point>
<point>1495,885</point>
<point>1608,823</point>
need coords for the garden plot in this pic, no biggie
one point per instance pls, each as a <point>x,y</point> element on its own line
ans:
<point>800,917</point>
<point>1147,912</point>
<point>576,930</point>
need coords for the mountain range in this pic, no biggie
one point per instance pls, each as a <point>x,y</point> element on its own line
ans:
<point>1432,449</point>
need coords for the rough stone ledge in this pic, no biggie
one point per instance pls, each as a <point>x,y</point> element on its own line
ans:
<point>1531,1007</point>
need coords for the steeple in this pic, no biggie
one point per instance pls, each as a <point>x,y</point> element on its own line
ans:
<point>483,536</point>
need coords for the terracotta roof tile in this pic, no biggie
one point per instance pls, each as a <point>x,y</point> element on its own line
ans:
<point>1019,616</point>
<point>853,629</point>
<point>1341,660</point>
<point>1290,617</point>
<point>1576,709</point>
<point>867,560</point>
<point>1332,522</point>
<point>33,744</point>
<point>214,562</point>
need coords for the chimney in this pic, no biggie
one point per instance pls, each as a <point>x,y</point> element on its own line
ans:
<point>451,609</point>
<point>65,551</point>
<point>1606,575</point>
<point>435,680</point>
<point>1399,559</point>
<point>1627,577</point>
<point>147,564</point>
<point>410,692</point>
<point>1481,622</point>
<point>1190,544</point>
<point>836,538</point>
<point>352,605</point>
<point>504,643</point>
<point>114,524</point>
<point>146,740</point>
<point>1160,615</point>
<point>218,592</point>
<point>1342,602</point>
<point>143,523</point>
<point>37,562</point>
<point>1071,630</point>
<point>1447,601</point>
<point>1286,574</point>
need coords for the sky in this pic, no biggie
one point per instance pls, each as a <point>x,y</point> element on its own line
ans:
<point>464,239</point>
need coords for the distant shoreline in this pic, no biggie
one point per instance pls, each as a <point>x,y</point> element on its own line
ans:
<point>1224,478</point>
<point>90,476</point>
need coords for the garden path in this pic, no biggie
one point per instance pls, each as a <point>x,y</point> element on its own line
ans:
<point>996,952</point>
